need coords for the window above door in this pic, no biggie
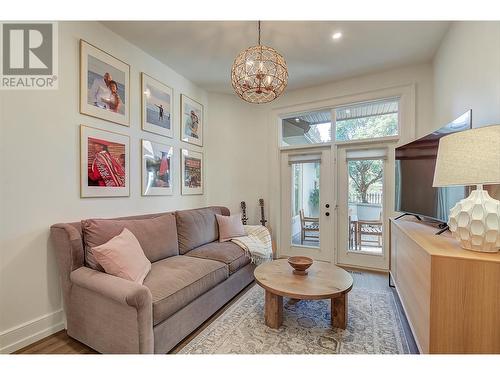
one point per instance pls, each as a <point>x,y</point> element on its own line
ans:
<point>376,119</point>
<point>361,121</point>
<point>308,128</point>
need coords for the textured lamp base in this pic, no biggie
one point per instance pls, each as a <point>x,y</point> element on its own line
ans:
<point>475,222</point>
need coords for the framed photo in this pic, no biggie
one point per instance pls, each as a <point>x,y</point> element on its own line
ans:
<point>191,121</point>
<point>104,85</point>
<point>157,168</point>
<point>104,163</point>
<point>156,106</point>
<point>191,172</point>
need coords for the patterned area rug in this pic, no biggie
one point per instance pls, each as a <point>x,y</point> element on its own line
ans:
<point>373,327</point>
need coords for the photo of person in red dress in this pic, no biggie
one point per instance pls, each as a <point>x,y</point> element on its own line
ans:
<point>104,165</point>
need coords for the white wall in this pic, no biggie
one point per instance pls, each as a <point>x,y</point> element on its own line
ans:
<point>237,152</point>
<point>39,160</point>
<point>467,73</point>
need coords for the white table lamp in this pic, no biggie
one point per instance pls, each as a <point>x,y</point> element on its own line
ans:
<point>472,157</point>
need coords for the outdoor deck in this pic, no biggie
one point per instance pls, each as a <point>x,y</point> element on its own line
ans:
<point>366,248</point>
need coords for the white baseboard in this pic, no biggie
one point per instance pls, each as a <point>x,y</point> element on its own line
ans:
<point>27,333</point>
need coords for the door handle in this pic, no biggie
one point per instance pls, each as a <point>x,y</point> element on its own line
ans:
<point>327,213</point>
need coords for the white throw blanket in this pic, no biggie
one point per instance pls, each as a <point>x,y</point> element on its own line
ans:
<point>257,243</point>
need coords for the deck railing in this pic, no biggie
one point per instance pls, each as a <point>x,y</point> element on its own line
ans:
<point>373,198</point>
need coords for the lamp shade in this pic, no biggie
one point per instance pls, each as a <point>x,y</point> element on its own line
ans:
<point>471,157</point>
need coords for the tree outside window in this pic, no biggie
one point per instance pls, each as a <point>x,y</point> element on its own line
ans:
<point>365,181</point>
<point>367,127</point>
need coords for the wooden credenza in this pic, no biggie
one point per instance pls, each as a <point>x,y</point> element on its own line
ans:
<point>451,296</point>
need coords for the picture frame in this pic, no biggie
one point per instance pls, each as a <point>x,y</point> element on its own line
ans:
<point>104,85</point>
<point>191,172</point>
<point>191,121</point>
<point>157,106</point>
<point>104,163</point>
<point>157,162</point>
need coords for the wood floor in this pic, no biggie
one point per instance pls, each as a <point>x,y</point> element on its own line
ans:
<point>61,343</point>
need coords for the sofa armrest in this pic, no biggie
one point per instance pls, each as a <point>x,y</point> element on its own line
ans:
<point>118,289</point>
<point>110,314</point>
<point>69,245</point>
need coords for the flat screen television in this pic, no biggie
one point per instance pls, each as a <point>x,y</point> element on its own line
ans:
<point>415,163</point>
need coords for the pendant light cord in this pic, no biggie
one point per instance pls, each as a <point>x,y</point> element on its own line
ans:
<point>259,33</point>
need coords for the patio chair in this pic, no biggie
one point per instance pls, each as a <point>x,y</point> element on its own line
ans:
<point>308,224</point>
<point>369,228</point>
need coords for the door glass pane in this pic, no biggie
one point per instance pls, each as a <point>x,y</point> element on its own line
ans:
<point>367,120</point>
<point>305,204</point>
<point>307,128</point>
<point>365,224</point>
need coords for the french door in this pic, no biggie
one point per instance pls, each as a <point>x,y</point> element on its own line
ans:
<point>364,180</point>
<point>307,208</point>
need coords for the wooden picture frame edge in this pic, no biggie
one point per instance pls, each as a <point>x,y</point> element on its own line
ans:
<point>81,106</point>
<point>202,172</point>
<point>82,126</point>
<point>172,117</point>
<point>141,141</point>
<point>181,118</point>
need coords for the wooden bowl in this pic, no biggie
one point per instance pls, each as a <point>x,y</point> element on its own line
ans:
<point>300,264</point>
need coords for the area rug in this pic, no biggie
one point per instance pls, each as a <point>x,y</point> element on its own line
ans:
<point>374,327</point>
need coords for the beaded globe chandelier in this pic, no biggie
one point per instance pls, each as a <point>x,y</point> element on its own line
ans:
<point>259,74</point>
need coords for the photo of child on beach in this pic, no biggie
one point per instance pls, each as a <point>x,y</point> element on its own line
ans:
<point>156,106</point>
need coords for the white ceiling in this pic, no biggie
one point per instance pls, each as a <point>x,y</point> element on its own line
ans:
<point>203,51</point>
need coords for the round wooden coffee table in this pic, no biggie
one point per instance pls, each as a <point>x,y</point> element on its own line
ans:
<point>323,281</point>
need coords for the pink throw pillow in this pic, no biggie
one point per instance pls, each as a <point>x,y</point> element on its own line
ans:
<point>122,256</point>
<point>230,227</point>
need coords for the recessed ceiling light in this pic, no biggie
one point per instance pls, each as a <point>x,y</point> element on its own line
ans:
<point>297,120</point>
<point>337,35</point>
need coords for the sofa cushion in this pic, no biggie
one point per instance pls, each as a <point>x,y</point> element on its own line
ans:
<point>157,236</point>
<point>176,281</point>
<point>122,256</point>
<point>226,252</point>
<point>197,227</point>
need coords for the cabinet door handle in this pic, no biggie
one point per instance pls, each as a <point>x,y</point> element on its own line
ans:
<point>327,213</point>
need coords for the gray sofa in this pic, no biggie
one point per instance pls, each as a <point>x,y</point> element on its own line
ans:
<point>192,276</point>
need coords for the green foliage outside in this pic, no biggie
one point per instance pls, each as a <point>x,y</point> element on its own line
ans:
<point>314,193</point>
<point>314,198</point>
<point>366,175</point>
<point>367,127</point>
